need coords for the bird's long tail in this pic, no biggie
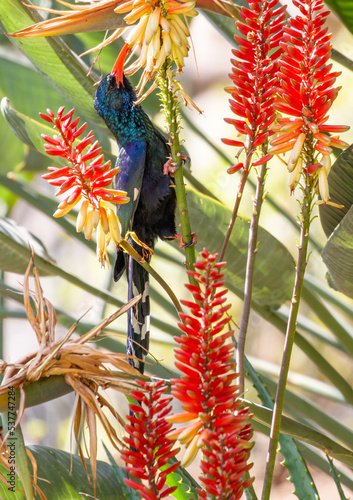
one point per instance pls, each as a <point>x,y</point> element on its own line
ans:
<point>138,330</point>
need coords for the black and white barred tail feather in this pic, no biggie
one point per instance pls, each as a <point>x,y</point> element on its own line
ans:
<point>138,332</point>
<point>138,321</point>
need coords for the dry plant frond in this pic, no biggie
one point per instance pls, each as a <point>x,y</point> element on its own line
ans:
<point>85,368</point>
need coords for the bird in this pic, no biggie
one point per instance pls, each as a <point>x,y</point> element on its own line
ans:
<point>143,158</point>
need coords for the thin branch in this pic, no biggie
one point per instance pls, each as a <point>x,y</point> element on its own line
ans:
<point>250,265</point>
<point>289,339</point>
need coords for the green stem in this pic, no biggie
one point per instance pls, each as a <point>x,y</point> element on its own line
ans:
<point>289,338</point>
<point>171,111</point>
<point>236,206</point>
<point>250,265</point>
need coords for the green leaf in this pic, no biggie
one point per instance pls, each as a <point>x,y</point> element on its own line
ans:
<point>186,484</point>
<point>335,476</point>
<point>12,150</point>
<point>38,392</point>
<point>62,476</point>
<point>274,269</point>
<point>303,432</point>
<point>51,56</point>
<point>312,412</point>
<point>16,246</point>
<point>26,88</point>
<point>338,256</point>
<point>300,476</point>
<point>18,454</point>
<point>341,191</point>
<point>120,475</point>
<point>344,10</point>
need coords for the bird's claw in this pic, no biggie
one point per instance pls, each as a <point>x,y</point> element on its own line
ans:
<point>185,245</point>
<point>146,250</point>
<point>170,167</point>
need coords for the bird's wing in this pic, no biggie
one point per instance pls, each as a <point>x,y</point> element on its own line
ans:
<point>131,161</point>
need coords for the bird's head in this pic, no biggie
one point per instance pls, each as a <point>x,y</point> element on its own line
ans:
<point>115,93</point>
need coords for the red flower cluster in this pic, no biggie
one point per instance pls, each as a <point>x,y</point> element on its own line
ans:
<point>207,389</point>
<point>306,93</point>
<point>89,181</point>
<point>223,464</point>
<point>83,181</point>
<point>148,435</point>
<point>254,73</point>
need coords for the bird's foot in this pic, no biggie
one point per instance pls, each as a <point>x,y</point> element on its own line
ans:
<point>146,250</point>
<point>170,166</point>
<point>185,245</point>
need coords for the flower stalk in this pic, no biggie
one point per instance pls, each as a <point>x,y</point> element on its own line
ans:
<point>307,205</point>
<point>249,273</point>
<point>170,107</point>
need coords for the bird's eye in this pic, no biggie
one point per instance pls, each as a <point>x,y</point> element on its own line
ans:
<point>111,84</point>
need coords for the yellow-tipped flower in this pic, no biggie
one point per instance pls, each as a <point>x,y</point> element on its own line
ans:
<point>160,32</point>
<point>296,151</point>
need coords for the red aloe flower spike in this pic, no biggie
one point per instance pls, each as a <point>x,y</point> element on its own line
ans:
<point>147,431</point>
<point>207,389</point>
<point>83,181</point>
<point>306,92</point>
<point>254,72</point>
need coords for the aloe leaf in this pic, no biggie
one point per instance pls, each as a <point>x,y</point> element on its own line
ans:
<point>329,320</point>
<point>186,484</point>
<point>329,295</point>
<point>317,459</point>
<point>307,325</point>
<point>311,385</point>
<point>326,368</point>
<point>314,413</point>
<point>341,191</point>
<point>274,272</point>
<point>338,256</point>
<point>62,476</point>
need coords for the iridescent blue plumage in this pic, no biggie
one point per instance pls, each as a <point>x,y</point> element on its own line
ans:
<point>143,152</point>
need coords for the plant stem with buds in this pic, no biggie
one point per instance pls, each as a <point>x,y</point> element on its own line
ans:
<point>171,110</point>
<point>290,333</point>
